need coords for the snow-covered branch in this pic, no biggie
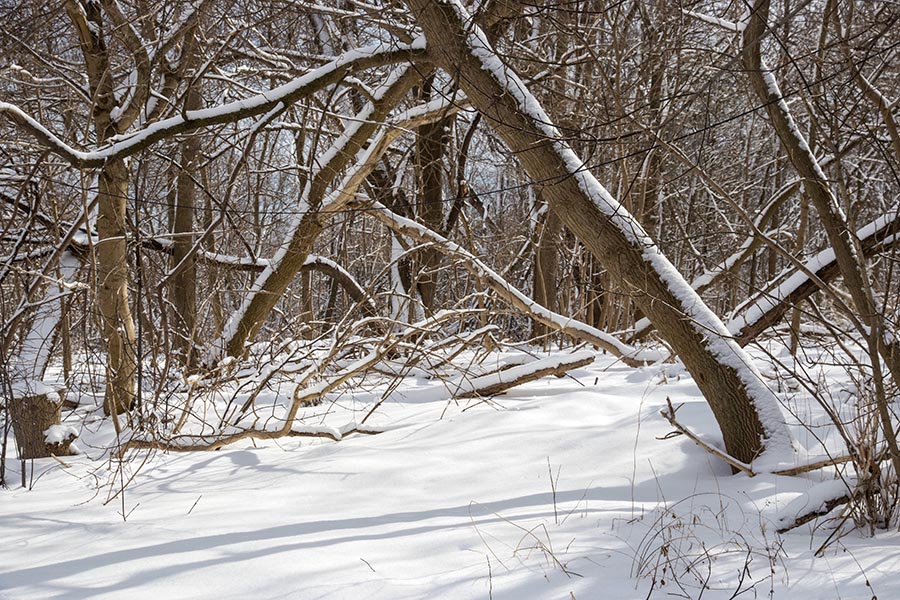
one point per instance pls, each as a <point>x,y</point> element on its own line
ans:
<point>258,104</point>
<point>505,290</point>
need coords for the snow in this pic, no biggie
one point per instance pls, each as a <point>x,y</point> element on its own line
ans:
<point>560,489</point>
<point>814,500</point>
<point>56,434</point>
<point>35,349</point>
<point>723,23</point>
<point>26,388</point>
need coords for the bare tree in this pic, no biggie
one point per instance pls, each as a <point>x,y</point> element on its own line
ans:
<point>746,411</point>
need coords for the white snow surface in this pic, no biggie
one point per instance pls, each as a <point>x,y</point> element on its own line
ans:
<point>26,388</point>
<point>453,501</point>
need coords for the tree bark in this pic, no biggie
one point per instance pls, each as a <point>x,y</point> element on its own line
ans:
<point>546,269</point>
<point>721,369</point>
<point>112,289</point>
<point>183,288</point>
<point>430,147</point>
<point>31,417</point>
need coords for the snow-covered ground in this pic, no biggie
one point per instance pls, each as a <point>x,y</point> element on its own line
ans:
<point>560,489</point>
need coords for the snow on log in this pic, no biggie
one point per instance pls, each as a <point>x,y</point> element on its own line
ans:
<point>791,286</point>
<point>501,381</point>
<point>818,501</point>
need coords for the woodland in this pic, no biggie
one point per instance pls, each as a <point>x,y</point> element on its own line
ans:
<point>251,229</point>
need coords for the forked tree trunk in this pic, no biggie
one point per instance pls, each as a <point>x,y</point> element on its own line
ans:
<point>112,196</point>
<point>747,412</point>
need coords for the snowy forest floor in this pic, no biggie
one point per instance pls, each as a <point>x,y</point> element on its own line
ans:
<point>561,489</point>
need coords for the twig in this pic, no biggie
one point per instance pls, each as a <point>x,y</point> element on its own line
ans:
<point>735,463</point>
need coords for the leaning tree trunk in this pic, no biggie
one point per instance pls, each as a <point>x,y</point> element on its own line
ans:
<point>747,412</point>
<point>847,252</point>
<point>271,284</point>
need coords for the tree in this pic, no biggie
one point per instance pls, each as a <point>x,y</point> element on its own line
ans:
<point>746,411</point>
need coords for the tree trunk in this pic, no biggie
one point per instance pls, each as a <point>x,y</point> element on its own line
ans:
<point>32,416</point>
<point>112,290</point>
<point>112,195</point>
<point>546,269</point>
<point>430,147</point>
<point>848,255</point>
<point>721,369</point>
<point>274,282</point>
<point>183,288</point>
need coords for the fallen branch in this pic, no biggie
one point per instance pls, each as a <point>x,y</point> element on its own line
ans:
<point>817,502</point>
<point>501,381</point>
<point>306,393</point>
<point>199,443</point>
<point>736,465</point>
<point>742,467</point>
<point>813,466</point>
